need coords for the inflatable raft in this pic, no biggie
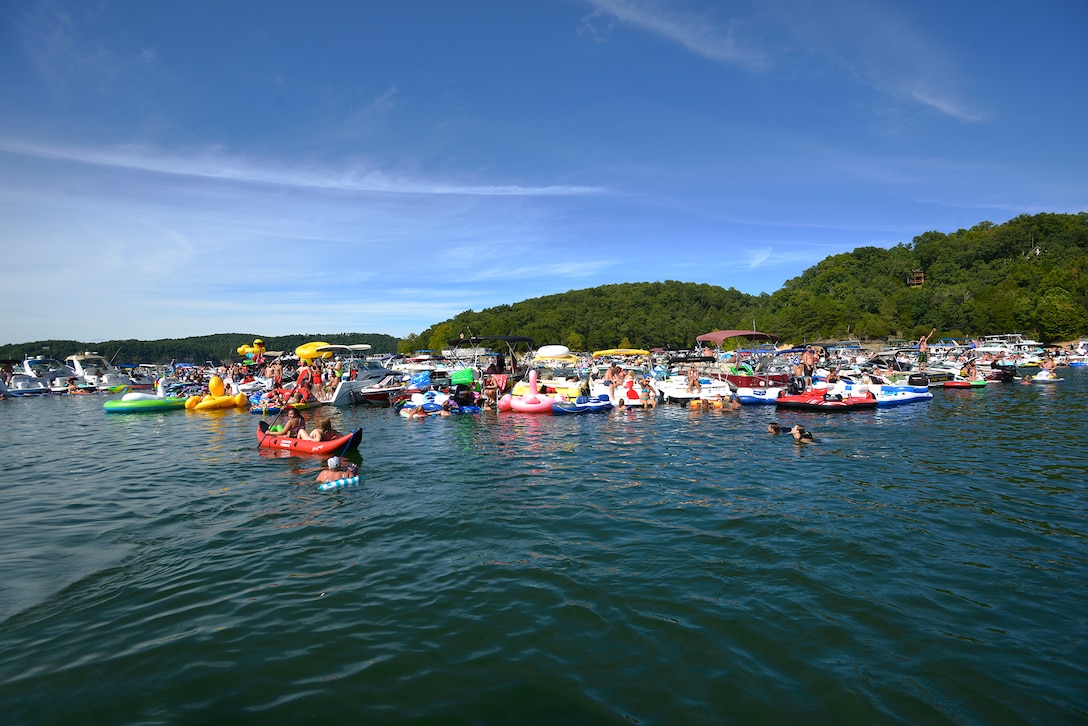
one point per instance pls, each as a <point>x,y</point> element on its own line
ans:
<point>826,402</point>
<point>346,442</point>
<point>152,403</point>
<point>583,404</point>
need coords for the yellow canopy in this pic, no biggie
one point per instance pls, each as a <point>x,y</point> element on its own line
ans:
<point>620,351</point>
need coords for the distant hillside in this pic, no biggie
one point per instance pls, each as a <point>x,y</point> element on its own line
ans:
<point>218,347</point>
<point>1028,275</point>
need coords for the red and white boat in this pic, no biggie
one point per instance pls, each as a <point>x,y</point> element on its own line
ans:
<point>821,400</point>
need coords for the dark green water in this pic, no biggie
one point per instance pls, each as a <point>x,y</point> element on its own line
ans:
<point>921,564</point>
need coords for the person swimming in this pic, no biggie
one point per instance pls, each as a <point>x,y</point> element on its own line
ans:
<point>801,435</point>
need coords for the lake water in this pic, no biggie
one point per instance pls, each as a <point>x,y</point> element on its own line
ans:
<point>920,564</point>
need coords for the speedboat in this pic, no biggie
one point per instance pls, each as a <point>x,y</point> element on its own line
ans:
<point>750,396</point>
<point>826,401</point>
<point>51,372</point>
<point>674,385</point>
<point>97,371</point>
<point>883,390</point>
<point>361,378</point>
<point>582,404</point>
<point>23,385</point>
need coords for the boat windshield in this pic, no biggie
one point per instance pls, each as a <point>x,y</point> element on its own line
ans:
<point>47,365</point>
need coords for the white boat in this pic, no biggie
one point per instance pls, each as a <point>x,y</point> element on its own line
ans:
<point>97,371</point>
<point>23,385</point>
<point>629,392</point>
<point>51,372</point>
<point>362,381</point>
<point>749,396</point>
<point>674,383</point>
<point>883,390</point>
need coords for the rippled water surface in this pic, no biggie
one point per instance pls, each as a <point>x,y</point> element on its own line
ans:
<point>921,564</point>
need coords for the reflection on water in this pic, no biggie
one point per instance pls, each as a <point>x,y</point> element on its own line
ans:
<point>921,563</point>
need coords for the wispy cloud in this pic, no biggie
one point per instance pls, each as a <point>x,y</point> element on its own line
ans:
<point>698,33</point>
<point>217,163</point>
<point>882,49</point>
<point>874,45</point>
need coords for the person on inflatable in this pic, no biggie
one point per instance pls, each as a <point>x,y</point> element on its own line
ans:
<point>293,425</point>
<point>322,432</point>
<point>335,471</point>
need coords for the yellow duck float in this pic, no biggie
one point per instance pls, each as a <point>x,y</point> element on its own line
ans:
<point>252,352</point>
<point>308,352</point>
<point>217,398</point>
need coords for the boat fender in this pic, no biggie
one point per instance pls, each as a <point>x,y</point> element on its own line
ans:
<point>350,481</point>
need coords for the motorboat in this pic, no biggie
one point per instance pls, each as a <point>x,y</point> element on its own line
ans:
<point>765,371</point>
<point>826,401</point>
<point>22,384</point>
<point>377,391</point>
<point>886,392</point>
<point>675,382</point>
<point>54,374</point>
<point>97,371</point>
<point>636,376</point>
<point>753,396</point>
<point>358,376</point>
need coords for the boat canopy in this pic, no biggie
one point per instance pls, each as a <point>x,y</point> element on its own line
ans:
<point>718,336</point>
<point>620,351</point>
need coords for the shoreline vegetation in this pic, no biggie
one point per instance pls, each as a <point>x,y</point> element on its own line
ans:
<point>1028,275</point>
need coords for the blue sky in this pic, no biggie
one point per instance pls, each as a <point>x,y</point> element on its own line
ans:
<point>176,169</point>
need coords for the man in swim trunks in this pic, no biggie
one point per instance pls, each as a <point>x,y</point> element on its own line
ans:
<point>808,365</point>
<point>923,350</point>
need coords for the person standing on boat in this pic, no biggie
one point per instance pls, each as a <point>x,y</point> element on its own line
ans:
<point>923,350</point>
<point>808,365</point>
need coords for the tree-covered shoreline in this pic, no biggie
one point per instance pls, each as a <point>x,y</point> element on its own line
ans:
<point>1028,275</point>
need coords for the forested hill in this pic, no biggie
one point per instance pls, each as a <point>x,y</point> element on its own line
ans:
<point>218,347</point>
<point>1028,275</point>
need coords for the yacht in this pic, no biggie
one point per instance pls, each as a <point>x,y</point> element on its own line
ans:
<point>52,373</point>
<point>96,371</point>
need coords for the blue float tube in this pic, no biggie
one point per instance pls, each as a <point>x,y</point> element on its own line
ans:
<point>351,481</point>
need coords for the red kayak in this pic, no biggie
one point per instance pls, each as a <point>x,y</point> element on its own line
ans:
<point>302,446</point>
<point>827,402</point>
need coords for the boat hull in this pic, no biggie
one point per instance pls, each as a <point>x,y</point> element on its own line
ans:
<point>825,403</point>
<point>582,406</point>
<point>759,396</point>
